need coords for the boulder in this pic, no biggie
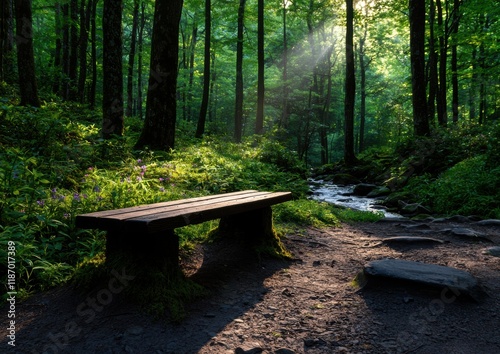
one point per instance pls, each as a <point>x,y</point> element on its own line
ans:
<point>430,276</point>
<point>363,189</point>
<point>492,251</point>
<point>489,222</point>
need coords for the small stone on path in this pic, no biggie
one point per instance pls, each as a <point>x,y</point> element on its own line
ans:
<point>489,222</point>
<point>492,251</point>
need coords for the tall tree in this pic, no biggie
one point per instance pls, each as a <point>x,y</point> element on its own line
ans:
<point>238,115</point>
<point>443,59</point>
<point>73,53</point>
<point>417,58</point>
<point>259,121</point>
<point>284,116</point>
<point>93,53</point>
<point>433,64</point>
<point>140,45</point>
<point>350,87</point>
<point>200,129</point>
<point>84,38</point>
<point>454,58</point>
<point>159,126</point>
<point>25,57</point>
<point>112,97</point>
<point>131,59</point>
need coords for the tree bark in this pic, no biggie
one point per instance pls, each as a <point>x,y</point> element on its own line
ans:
<point>73,54</point>
<point>159,126</point>
<point>200,129</point>
<point>433,66</point>
<point>131,59</point>
<point>350,88</point>
<point>93,54</point>
<point>417,57</point>
<point>443,58</point>
<point>84,38</point>
<point>238,116</point>
<point>259,121</point>
<point>25,57</point>
<point>454,59</point>
<point>112,97</point>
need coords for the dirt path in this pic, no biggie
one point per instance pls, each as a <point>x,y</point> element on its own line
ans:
<point>307,305</point>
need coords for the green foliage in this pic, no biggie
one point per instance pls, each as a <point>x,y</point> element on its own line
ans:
<point>468,188</point>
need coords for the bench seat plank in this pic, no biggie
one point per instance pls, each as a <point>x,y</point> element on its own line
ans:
<point>169,215</point>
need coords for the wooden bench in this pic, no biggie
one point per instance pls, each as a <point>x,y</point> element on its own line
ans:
<point>147,231</point>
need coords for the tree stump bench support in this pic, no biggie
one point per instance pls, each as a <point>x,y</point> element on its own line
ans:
<point>146,232</point>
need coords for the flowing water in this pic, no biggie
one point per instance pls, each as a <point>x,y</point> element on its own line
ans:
<point>342,196</point>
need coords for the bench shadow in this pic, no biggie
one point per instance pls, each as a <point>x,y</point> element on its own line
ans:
<point>65,321</point>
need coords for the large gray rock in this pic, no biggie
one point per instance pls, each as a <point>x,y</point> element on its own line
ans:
<point>424,275</point>
<point>363,189</point>
<point>489,222</point>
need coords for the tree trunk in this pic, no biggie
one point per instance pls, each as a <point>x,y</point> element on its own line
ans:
<point>194,39</point>
<point>73,54</point>
<point>362,107</point>
<point>417,57</point>
<point>139,61</point>
<point>350,88</point>
<point>159,126</point>
<point>443,57</point>
<point>84,38</point>
<point>93,54</point>
<point>433,66</point>
<point>284,116</point>
<point>112,97</point>
<point>238,116</point>
<point>131,59</point>
<point>200,130</point>
<point>259,121</point>
<point>454,59</point>
<point>25,57</point>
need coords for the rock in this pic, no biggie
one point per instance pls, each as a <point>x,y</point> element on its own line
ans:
<point>363,189</point>
<point>249,348</point>
<point>378,192</point>
<point>466,233</point>
<point>493,251</point>
<point>284,351</point>
<point>411,239</point>
<point>419,227</point>
<point>458,218</point>
<point>426,275</point>
<point>344,179</point>
<point>489,222</point>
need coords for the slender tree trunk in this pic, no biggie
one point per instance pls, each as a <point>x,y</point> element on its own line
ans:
<point>454,59</point>
<point>25,57</point>
<point>433,66</point>
<point>350,88</point>
<point>93,54</point>
<point>139,60</point>
<point>112,96</point>
<point>131,59</point>
<point>259,121</point>
<point>443,57</point>
<point>284,116</point>
<point>73,55</point>
<point>323,133</point>
<point>417,56</point>
<point>200,130</point>
<point>362,85</point>
<point>84,38</point>
<point>238,116</point>
<point>159,126</point>
<point>194,40</point>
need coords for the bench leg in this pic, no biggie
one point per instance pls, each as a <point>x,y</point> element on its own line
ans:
<point>254,227</point>
<point>159,249</point>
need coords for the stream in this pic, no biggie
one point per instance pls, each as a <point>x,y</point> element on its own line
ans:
<point>342,195</point>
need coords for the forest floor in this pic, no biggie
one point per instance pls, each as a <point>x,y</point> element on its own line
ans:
<point>307,305</point>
